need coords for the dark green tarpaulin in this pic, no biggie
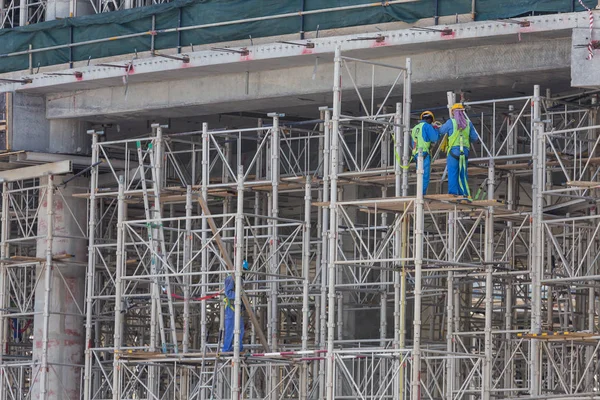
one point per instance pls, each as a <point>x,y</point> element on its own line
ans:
<point>198,12</point>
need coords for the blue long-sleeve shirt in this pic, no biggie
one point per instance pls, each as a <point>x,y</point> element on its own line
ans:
<point>429,133</point>
<point>448,128</point>
<point>230,289</point>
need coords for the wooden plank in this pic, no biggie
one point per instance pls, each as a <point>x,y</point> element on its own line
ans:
<point>583,184</point>
<point>560,336</point>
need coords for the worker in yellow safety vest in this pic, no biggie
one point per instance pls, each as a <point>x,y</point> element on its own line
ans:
<point>461,133</point>
<point>423,135</point>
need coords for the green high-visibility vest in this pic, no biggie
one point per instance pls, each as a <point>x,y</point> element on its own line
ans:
<point>459,137</point>
<point>228,304</point>
<point>418,142</point>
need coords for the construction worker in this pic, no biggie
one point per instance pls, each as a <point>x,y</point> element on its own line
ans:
<point>228,336</point>
<point>423,134</point>
<point>461,133</point>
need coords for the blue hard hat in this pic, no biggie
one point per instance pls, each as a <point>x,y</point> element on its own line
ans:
<point>245,265</point>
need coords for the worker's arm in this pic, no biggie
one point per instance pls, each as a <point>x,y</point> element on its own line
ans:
<point>230,288</point>
<point>446,128</point>
<point>431,134</point>
<point>473,136</point>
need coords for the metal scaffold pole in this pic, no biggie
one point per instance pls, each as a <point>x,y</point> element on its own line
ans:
<point>239,258</point>
<point>3,283</point>
<point>120,270</point>
<point>332,245</point>
<point>489,286</point>
<point>398,322</point>
<point>91,270</point>
<point>274,251</point>
<point>537,238</point>
<point>305,283</point>
<point>415,393</point>
<point>403,145</point>
<point>324,252</point>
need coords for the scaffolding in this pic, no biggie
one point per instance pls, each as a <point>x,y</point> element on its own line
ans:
<point>358,286</point>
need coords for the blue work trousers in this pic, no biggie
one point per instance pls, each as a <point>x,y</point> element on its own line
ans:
<point>228,334</point>
<point>458,180</point>
<point>426,169</point>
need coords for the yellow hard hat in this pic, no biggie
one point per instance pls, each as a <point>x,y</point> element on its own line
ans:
<point>457,106</point>
<point>424,113</point>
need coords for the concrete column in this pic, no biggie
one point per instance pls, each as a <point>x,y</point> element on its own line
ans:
<point>69,136</point>
<point>65,326</point>
<point>60,9</point>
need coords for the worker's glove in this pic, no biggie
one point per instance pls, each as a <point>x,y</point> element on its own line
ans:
<point>437,124</point>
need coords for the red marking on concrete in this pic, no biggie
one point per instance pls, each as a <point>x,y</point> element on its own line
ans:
<point>246,58</point>
<point>70,343</point>
<point>307,51</point>
<point>51,344</point>
<point>526,29</point>
<point>448,35</point>
<point>72,332</point>
<point>379,44</point>
<point>130,70</point>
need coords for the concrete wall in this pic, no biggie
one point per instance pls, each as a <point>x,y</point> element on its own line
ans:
<point>28,128</point>
<point>584,73</point>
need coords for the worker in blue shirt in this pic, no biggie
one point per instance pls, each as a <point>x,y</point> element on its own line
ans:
<point>423,134</point>
<point>229,300</point>
<point>461,133</point>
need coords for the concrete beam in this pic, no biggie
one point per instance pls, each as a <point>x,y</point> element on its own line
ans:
<point>289,86</point>
<point>277,55</point>
<point>37,171</point>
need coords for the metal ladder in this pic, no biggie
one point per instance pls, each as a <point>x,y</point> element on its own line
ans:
<point>156,250</point>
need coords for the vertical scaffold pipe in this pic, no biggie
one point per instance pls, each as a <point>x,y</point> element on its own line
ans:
<point>406,108</point>
<point>118,328</point>
<point>3,284</point>
<point>537,238</point>
<point>489,287</point>
<point>451,303</point>
<point>187,281</point>
<point>399,323</point>
<point>451,363</point>
<point>383,274</point>
<point>415,393</point>
<point>324,244</point>
<point>239,249</point>
<point>305,284</point>
<point>274,252</point>
<point>204,255</point>
<point>332,247</point>
<point>90,271</point>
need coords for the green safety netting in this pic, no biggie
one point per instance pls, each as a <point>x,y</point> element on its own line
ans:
<point>198,12</point>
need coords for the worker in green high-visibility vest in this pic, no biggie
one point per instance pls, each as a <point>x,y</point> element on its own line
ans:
<point>461,133</point>
<point>423,134</point>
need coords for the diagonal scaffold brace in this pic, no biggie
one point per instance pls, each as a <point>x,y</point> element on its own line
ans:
<point>261,335</point>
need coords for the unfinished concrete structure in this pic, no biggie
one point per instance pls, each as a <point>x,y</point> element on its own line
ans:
<point>294,154</point>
